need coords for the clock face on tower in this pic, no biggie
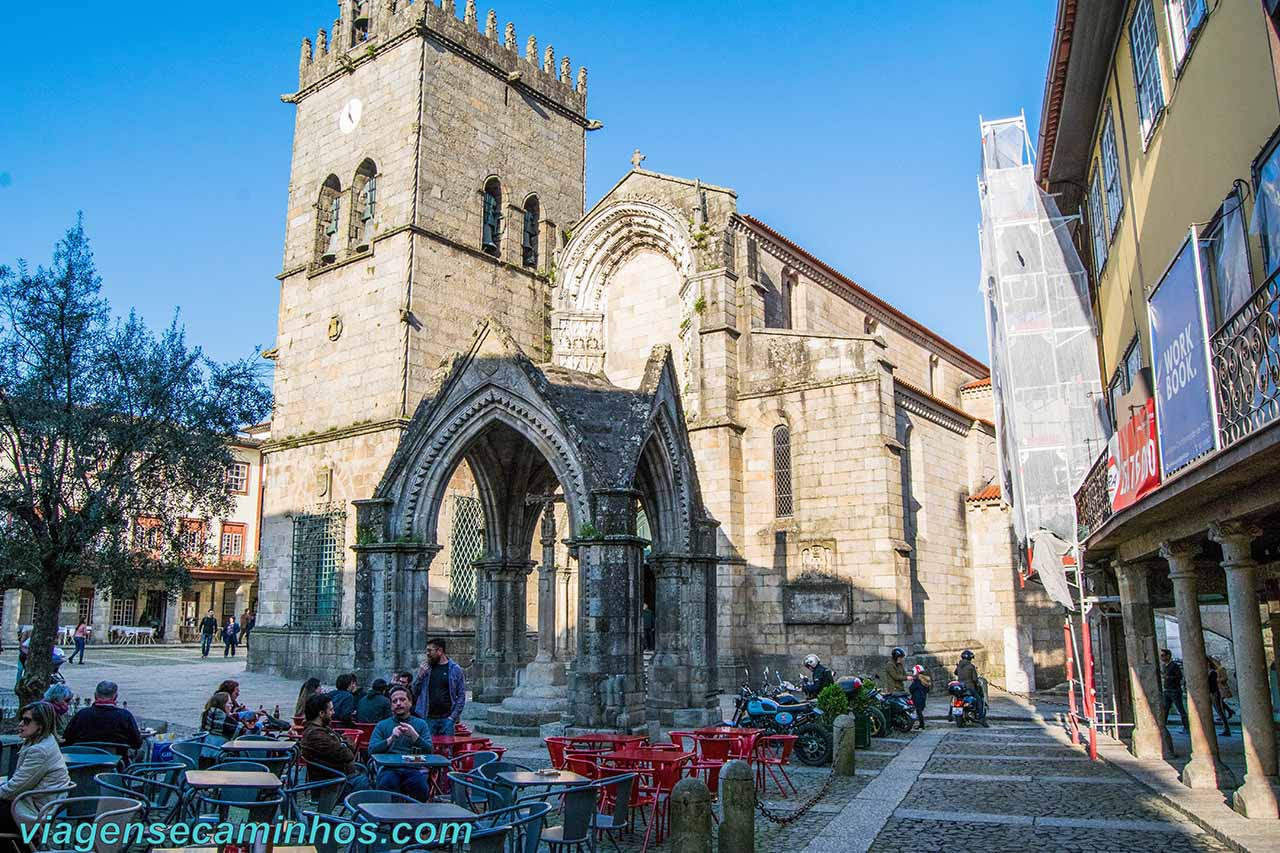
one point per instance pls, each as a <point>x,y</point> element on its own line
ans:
<point>349,117</point>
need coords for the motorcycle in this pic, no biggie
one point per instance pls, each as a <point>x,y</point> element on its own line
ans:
<point>898,709</point>
<point>782,713</point>
<point>964,706</point>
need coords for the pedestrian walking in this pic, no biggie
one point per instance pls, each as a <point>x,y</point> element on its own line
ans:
<point>208,627</point>
<point>1218,692</point>
<point>1171,672</point>
<point>230,637</point>
<point>247,621</point>
<point>81,637</point>
<point>919,689</point>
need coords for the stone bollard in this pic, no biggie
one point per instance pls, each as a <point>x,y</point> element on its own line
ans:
<point>843,760</point>
<point>738,802</point>
<point>690,816</point>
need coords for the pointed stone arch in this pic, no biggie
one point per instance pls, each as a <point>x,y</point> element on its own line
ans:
<point>603,242</point>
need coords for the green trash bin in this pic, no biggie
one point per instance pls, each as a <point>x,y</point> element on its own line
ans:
<point>862,731</point>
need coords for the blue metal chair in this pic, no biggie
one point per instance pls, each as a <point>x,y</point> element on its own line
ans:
<point>322,784</point>
<point>579,812</point>
<point>474,792</point>
<point>525,821</point>
<point>618,819</point>
<point>161,800</point>
<point>326,842</point>
<point>119,812</point>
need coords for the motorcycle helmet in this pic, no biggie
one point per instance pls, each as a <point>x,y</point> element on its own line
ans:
<point>955,688</point>
<point>811,661</point>
<point>898,652</point>
<point>857,683</point>
<point>917,669</point>
<point>966,655</point>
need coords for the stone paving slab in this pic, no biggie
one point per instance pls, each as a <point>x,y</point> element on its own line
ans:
<point>1035,799</point>
<point>913,835</point>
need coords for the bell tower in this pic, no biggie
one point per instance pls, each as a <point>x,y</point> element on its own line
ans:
<point>435,162</point>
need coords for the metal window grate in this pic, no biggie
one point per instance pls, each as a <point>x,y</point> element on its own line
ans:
<point>466,545</point>
<point>1111,174</point>
<point>318,540</point>
<point>783,504</point>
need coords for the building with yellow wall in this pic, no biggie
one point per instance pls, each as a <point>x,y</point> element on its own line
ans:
<point>1159,129</point>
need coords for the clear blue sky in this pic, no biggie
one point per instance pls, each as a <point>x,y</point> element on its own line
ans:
<point>850,127</point>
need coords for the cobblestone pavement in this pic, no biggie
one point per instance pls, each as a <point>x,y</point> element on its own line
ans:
<point>1026,788</point>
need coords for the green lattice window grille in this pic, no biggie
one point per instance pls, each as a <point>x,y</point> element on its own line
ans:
<point>466,545</point>
<point>318,543</point>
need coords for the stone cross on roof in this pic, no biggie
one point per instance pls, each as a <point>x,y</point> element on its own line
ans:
<point>636,159</point>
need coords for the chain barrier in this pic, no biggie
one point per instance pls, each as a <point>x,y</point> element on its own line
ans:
<point>791,817</point>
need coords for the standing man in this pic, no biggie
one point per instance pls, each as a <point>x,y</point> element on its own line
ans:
<point>441,689</point>
<point>895,674</point>
<point>1171,671</point>
<point>967,674</point>
<point>247,621</point>
<point>230,637</point>
<point>402,734</point>
<point>208,627</point>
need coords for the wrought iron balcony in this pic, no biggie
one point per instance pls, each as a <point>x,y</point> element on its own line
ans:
<point>1093,499</point>
<point>1246,364</point>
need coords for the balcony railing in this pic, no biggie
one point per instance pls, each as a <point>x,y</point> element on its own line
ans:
<point>1246,364</point>
<point>1093,500</point>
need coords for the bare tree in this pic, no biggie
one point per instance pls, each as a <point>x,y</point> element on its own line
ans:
<point>110,435</point>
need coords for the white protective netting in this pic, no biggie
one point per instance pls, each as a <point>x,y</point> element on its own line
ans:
<point>1049,406</point>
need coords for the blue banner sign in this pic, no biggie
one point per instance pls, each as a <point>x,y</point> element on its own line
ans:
<point>1185,413</point>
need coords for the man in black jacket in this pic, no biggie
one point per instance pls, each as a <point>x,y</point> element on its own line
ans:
<point>821,676</point>
<point>1171,674</point>
<point>104,722</point>
<point>208,627</point>
<point>345,697</point>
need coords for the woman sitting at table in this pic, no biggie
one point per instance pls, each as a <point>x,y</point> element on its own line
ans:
<point>41,767</point>
<point>59,696</point>
<point>219,718</point>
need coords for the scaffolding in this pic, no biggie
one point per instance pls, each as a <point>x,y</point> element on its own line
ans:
<point>1049,406</point>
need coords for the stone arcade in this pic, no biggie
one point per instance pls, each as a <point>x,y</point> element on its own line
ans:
<point>528,431</point>
<point>844,451</point>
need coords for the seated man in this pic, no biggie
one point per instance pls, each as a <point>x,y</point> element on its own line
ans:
<point>104,722</point>
<point>402,734</point>
<point>345,697</point>
<point>322,745</point>
<point>374,706</point>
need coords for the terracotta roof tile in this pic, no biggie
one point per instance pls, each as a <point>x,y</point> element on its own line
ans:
<point>977,383</point>
<point>990,493</point>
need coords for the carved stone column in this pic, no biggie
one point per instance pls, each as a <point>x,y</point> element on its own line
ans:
<point>606,691</point>
<point>1257,797</point>
<point>1204,768</point>
<point>392,593</point>
<point>500,626</point>
<point>547,588</point>
<point>1149,737</point>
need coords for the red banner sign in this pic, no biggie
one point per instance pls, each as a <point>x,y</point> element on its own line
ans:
<point>1133,463</point>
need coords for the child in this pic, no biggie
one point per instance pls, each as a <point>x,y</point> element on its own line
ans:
<point>919,688</point>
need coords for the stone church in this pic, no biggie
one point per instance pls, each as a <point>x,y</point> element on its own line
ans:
<point>615,455</point>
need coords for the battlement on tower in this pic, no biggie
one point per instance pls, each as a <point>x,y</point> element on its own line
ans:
<point>365,27</point>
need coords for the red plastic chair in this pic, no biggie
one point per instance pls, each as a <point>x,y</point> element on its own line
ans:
<point>583,765</point>
<point>744,746</point>
<point>713,753</point>
<point>773,754</point>
<point>684,740</point>
<point>555,749</point>
<point>663,777</point>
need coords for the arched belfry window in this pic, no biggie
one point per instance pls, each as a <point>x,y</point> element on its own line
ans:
<point>328,215</point>
<point>359,21</point>
<point>530,233</point>
<point>364,205</point>
<point>491,233</point>
<point>782,496</point>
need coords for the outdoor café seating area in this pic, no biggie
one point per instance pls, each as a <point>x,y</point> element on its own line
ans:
<point>592,790</point>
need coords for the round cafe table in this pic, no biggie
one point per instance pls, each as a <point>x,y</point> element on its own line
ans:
<point>511,781</point>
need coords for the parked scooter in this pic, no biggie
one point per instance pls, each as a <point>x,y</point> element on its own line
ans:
<point>964,706</point>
